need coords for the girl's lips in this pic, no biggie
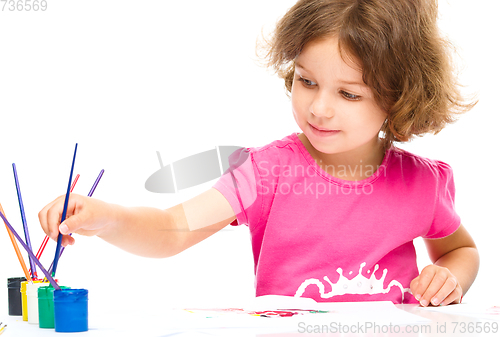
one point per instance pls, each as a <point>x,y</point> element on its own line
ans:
<point>321,129</point>
<point>323,133</point>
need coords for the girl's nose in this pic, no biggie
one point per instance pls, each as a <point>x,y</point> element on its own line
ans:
<point>322,105</point>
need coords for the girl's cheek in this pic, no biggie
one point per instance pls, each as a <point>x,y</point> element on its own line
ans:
<point>299,100</point>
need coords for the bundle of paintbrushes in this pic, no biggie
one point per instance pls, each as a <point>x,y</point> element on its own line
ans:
<point>43,301</point>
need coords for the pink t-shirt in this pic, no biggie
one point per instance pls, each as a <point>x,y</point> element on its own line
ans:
<point>314,235</point>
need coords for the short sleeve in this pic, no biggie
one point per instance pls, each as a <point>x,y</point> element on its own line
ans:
<point>445,220</point>
<point>238,185</point>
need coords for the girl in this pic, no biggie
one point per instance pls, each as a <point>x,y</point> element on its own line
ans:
<point>332,211</point>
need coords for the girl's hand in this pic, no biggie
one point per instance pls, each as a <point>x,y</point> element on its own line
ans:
<point>85,216</point>
<point>437,286</point>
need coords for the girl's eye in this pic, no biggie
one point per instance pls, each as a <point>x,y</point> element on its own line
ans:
<point>307,83</point>
<point>349,96</point>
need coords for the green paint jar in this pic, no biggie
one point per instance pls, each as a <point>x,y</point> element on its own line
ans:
<point>46,306</point>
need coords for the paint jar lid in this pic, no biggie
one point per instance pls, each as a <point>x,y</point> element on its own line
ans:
<point>49,285</point>
<point>48,291</point>
<point>70,294</point>
<point>44,291</point>
<point>15,282</point>
<point>32,288</point>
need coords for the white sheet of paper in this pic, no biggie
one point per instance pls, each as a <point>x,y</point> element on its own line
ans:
<point>470,310</point>
<point>376,311</point>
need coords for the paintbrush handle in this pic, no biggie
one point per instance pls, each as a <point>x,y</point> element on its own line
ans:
<point>63,216</point>
<point>23,218</point>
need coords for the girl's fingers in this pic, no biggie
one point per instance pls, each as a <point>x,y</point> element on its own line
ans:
<point>71,206</point>
<point>53,218</point>
<point>423,283</point>
<point>414,285</point>
<point>67,240</point>
<point>435,286</point>
<point>48,217</point>
<point>448,287</point>
<point>73,224</point>
<point>443,283</point>
<point>42,216</point>
<point>454,296</point>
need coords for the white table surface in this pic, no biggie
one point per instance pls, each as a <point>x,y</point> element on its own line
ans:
<point>463,320</point>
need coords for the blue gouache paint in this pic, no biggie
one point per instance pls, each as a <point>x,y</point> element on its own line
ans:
<point>71,312</point>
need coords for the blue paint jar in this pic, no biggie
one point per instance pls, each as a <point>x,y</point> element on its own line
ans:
<point>71,313</point>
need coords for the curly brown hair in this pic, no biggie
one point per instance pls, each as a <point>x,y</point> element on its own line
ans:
<point>397,44</point>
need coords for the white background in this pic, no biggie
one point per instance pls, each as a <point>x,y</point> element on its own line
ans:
<point>125,79</point>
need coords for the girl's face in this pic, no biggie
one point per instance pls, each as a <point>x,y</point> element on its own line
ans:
<point>328,94</point>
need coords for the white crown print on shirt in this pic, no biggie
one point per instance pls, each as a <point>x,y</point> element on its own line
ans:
<point>356,286</point>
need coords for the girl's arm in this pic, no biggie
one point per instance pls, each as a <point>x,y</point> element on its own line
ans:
<point>455,266</point>
<point>142,231</point>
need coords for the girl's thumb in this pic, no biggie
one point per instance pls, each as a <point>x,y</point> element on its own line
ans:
<point>70,225</point>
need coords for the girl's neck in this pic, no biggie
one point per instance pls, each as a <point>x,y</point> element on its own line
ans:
<point>354,165</point>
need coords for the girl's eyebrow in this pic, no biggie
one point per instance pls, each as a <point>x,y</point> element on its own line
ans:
<point>297,64</point>
<point>353,83</point>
